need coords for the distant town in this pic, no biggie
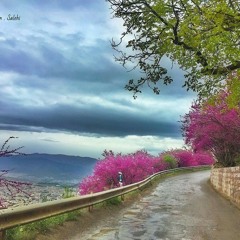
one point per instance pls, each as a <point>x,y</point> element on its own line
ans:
<point>35,193</point>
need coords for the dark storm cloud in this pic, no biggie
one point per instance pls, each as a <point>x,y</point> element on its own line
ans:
<point>92,119</point>
<point>53,65</point>
<point>89,64</point>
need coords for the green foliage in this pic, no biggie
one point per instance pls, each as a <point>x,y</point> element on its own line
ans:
<point>233,87</point>
<point>237,160</point>
<point>114,201</point>
<point>231,90</point>
<point>171,161</point>
<point>202,37</point>
<point>68,192</point>
<point>21,233</point>
<point>30,231</point>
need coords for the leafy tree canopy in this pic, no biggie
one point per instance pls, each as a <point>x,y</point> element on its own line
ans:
<point>230,92</point>
<point>202,37</point>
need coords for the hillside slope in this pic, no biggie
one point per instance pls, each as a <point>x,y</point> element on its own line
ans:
<point>48,167</point>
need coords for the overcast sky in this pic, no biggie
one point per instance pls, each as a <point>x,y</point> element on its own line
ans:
<point>62,92</point>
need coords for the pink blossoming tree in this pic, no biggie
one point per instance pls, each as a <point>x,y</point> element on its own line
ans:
<point>214,125</point>
<point>134,167</point>
<point>188,158</point>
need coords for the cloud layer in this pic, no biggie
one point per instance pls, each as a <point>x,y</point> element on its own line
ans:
<point>58,74</point>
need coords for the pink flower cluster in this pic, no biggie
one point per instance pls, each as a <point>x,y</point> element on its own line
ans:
<point>136,167</point>
<point>190,159</point>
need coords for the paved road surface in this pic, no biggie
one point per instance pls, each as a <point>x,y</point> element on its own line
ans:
<point>183,207</point>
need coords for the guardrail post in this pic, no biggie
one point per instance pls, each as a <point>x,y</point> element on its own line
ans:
<point>3,235</point>
<point>90,208</point>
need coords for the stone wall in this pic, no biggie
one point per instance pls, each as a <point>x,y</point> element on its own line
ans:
<point>227,182</point>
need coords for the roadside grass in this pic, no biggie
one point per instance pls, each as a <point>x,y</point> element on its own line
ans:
<point>31,230</point>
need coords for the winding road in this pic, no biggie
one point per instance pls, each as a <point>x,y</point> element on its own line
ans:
<point>183,207</point>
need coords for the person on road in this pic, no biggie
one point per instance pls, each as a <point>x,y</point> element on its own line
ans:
<point>120,179</point>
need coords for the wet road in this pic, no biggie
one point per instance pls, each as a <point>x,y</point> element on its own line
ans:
<point>183,207</point>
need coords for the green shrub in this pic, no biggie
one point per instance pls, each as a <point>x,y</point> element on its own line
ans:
<point>114,201</point>
<point>171,161</point>
<point>31,230</point>
<point>237,160</point>
<point>68,192</point>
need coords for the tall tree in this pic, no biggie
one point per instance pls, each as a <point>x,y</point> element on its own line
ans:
<point>202,37</point>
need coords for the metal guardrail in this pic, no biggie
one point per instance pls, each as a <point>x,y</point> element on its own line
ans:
<point>10,218</point>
